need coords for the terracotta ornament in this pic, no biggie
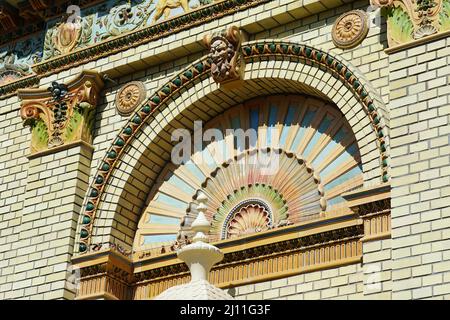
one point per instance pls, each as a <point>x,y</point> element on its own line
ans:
<point>350,29</point>
<point>225,54</point>
<point>63,113</point>
<point>129,97</point>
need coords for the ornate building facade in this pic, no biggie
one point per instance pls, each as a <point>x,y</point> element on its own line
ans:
<point>318,131</point>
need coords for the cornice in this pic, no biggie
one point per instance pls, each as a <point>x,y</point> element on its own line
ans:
<point>10,89</point>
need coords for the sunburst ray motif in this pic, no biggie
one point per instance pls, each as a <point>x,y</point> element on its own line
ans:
<point>318,161</point>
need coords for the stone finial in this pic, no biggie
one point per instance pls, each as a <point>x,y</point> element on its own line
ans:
<point>201,225</point>
<point>227,63</point>
<point>62,113</point>
<point>200,256</point>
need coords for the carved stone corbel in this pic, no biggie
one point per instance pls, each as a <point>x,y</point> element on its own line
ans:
<point>62,113</point>
<point>373,205</point>
<point>227,63</point>
<point>104,275</point>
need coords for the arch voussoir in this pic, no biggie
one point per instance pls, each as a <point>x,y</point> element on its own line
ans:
<point>134,157</point>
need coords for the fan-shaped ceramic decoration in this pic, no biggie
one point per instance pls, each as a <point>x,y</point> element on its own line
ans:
<point>257,190</point>
<point>312,155</point>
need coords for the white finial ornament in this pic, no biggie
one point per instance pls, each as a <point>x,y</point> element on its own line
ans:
<point>199,256</point>
<point>201,225</point>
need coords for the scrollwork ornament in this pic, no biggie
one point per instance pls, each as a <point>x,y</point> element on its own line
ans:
<point>62,113</point>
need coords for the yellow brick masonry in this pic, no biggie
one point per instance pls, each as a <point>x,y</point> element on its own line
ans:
<point>38,220</point>
<point>38,210</point>
<point>420,116</point>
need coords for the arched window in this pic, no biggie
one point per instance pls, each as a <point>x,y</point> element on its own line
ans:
<point>267,163</point>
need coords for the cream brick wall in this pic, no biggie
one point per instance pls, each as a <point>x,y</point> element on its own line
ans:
<point>38,211</point>
<point>42,245</point>
<point>14,144</point>
<point>338,283</point>
<point>420,115</point>
<point>377,266</point>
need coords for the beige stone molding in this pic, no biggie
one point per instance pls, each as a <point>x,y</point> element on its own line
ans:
<point>79,143</point>
<point>309,246</point>
<point>416,43</point>
<point>373,205</point>
<point>104,275</point>
<point>63,113</point>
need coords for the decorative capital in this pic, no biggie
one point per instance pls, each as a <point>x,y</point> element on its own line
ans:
<point>409,20</point>
<point>225,54</point>
<point>105,274</point>
<point>373,205</point>
<point>62,113</point>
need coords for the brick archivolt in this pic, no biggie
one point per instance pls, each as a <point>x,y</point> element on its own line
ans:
<point>142,147</point>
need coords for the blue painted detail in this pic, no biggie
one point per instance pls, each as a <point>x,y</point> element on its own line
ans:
<point>208,159</point>
<point>338,137</point>
<point>350,151</point>
<point>163,198</point>
<point>287,125</point>
<point>236,123</point>
<point>303,126</point>
<point>272,122</point>
<point>158,219</point>
<point>334,201</point>
<point>342,178</point>
<point>195,170</point>
<point>254,119</point>
<point>321,130</point>
<point>179,183</point>
<point>22,54</point>
<point>158,238</point>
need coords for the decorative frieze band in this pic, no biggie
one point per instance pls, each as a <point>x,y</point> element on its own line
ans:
<point>105,275</point>
<point>110,275</point>
<point>141,36</point>
<point>265,268</point>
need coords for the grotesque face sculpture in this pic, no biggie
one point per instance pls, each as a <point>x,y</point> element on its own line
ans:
<point>225,54</point>
<point>221,53</point>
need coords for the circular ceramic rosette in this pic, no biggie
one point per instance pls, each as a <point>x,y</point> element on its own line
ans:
<point>350,29</point>
<point>129,97</point>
